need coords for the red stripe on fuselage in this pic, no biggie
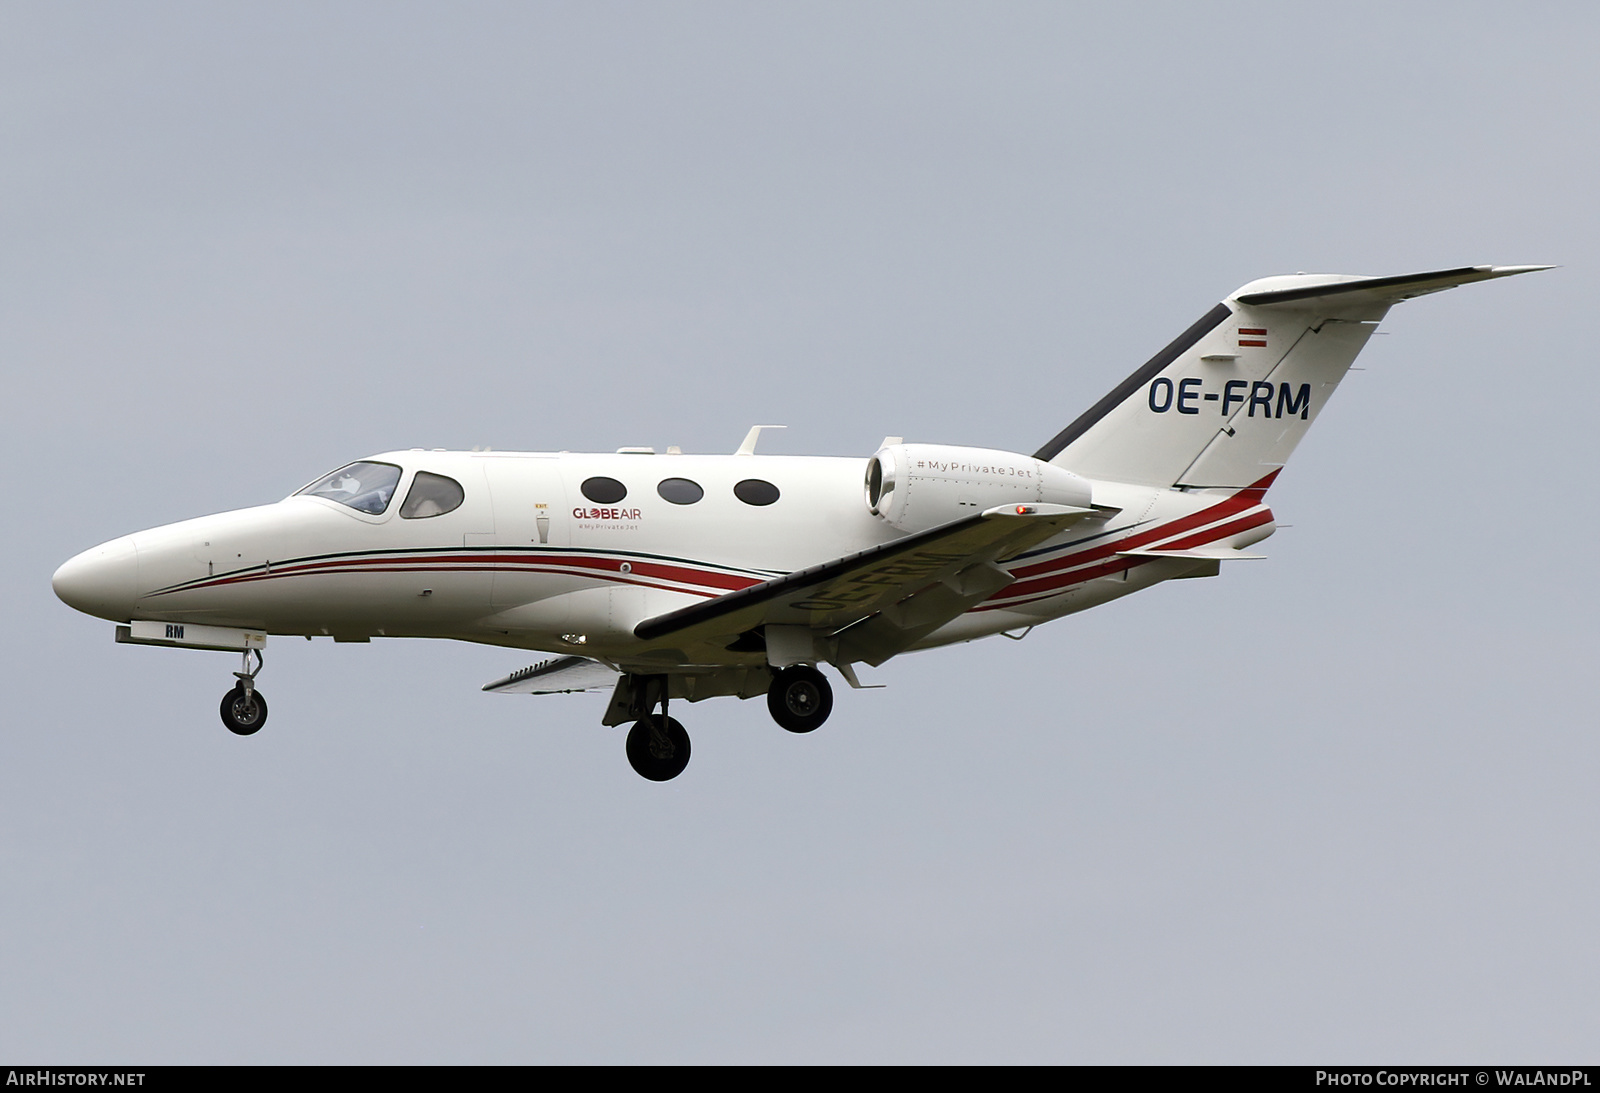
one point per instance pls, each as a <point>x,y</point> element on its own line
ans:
<point>1051,576</point>
<point>1246,498</point>
<point>1211,535</point>
<point>608,568</point>
<point>599,575</point>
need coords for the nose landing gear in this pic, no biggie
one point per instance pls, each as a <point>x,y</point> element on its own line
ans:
<point>244,709</point>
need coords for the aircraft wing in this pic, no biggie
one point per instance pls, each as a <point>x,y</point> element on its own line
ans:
<point>878,602</point>
<point>559,675</point>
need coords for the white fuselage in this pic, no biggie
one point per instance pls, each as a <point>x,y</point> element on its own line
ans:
<point>673,577</point>
<point>527,560</point>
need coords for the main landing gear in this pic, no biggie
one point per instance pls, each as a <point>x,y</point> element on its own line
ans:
<point>799,699</point>
<point>244,709</point>
<point>658,747</point>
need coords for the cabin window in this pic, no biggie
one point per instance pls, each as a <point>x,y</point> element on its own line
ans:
<point>365,486</point>
<point>754,491</point>
<point>431,495</point>
<point>680,491</point>
<point>603,491</point>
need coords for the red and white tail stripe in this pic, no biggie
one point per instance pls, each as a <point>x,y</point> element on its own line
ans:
<point>1244,510</point>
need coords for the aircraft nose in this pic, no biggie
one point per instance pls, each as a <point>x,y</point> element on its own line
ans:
<point>102,581</point>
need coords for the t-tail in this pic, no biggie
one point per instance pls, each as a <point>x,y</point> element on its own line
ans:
<point>1225,404</point>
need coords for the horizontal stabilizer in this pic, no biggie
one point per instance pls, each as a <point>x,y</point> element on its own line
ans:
<point>559,675</point>
<point>1205,553</point>
<point>1302,290</point>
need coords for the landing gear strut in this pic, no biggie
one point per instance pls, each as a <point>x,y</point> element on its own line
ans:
<point>244,709</point>
<point>800,698</point>
<point>658,748</point>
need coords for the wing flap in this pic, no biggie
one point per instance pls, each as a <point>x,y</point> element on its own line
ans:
<point>559,675</point>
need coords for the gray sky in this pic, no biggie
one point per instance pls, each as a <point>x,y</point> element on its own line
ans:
<point>1334,807</point>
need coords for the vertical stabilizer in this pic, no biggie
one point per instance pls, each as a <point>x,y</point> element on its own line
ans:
<point>1226,403</point>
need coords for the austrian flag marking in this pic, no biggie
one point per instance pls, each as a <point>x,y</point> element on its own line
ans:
<point>1253,336</point>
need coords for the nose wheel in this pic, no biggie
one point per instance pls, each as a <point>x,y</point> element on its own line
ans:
<point>244,713</point>
<point>800,698</point>
<point>244,709</point>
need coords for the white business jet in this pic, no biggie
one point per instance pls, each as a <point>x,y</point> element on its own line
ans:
<point>684,577</point>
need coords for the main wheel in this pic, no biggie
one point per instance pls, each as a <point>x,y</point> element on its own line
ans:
<point>243,714</point>
<point>658,748</point>
<point>800,699</point>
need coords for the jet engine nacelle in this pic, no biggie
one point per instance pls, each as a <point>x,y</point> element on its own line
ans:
<point>919,486</point>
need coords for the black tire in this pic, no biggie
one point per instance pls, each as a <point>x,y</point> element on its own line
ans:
<point>243,716</point>
<point>800,698</point>
<point>658,755</point>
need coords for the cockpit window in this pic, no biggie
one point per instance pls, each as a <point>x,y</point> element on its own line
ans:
<point>365,487</point>
<point>431,495</point>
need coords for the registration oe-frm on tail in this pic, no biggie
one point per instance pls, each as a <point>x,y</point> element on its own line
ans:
<point>683,577</point>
